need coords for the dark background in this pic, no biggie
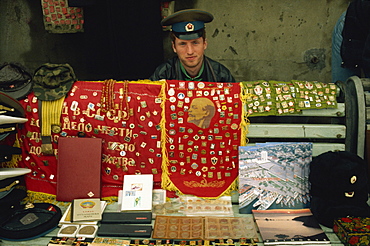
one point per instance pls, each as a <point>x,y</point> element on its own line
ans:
<point>121,40</point>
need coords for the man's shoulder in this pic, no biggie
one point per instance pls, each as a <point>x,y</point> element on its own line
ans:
<point>222,73</point>
<point>215,64</point>
<point>166,70</point>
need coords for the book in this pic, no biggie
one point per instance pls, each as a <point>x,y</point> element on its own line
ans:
<point>67,216</point>
<point>137,192</point>
<point>79,168</point>
<point>274,175</point>
<point>289,227</point>
<point>125,230</point>
<point>86,210</point>
<point>144,217</point>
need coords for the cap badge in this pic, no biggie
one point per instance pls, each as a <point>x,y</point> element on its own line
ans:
<point>189,27</point>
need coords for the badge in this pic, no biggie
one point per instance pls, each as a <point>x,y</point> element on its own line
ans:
<point>189,27</point>
<point>181,96</point>
<point>201,85</point>
<point>171,92</point>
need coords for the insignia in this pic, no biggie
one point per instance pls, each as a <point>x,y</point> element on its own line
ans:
<point>74,105</point>
<point>201,85</point>
<point>214,160</point>
<point>56,129</point>
<point>171,92</point>
<point>180,95</point>
<point>189,27</point>
<point>191,86</point>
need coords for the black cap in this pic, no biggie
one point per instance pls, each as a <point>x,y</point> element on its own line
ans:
<point>15,80</point>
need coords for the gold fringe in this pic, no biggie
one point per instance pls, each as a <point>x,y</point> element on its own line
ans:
<point>143,81</point>
<point>165,179</point>
<point>33,196</point>
<point>245,122</point>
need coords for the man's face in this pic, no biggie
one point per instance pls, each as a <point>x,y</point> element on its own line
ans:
<point>196,112</point>
<point>190,52</point>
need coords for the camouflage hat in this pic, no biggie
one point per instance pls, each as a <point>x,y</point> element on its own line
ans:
<point>53,81</point>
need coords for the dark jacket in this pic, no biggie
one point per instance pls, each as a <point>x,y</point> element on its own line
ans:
<point>355,48</point>
<point>213,71</point>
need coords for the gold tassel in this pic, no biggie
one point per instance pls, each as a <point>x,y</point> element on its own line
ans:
<point>244,94</point>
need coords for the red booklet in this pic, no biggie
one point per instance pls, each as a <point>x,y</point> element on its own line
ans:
<point>79,168</point>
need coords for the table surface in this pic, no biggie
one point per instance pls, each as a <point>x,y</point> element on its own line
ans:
<point>43,241</point>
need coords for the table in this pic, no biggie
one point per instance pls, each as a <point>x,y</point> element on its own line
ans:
<point>43,241</point>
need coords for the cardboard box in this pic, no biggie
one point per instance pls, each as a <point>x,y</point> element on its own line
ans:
<point>353,231</point>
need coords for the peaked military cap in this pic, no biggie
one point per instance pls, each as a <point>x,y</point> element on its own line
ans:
<point>6,153</point>
<point>12,113</point>
<point>188,24</point>
<point>15,80</point>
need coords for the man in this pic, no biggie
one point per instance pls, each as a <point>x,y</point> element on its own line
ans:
<point>189,43</point>
<point>351,42</point>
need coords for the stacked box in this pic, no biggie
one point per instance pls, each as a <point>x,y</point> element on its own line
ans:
<point>353,231</point>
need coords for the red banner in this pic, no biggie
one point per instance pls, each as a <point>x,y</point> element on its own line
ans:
<point>128,121</point>
<point>203,125</point>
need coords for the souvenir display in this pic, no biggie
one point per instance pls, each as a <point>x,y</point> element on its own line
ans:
<point>263,98</point>
<point>311,95</point>
<point>259,98</point>
<point>204,128</point>
<point>178,227</point>
<point>192,205</point>
<point>206,228</point>
<point>229,228</point>
<point>130,130</point>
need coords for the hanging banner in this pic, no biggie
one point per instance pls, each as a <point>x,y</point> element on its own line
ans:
<point>126,115</point>
<point>204,130</point>
<point>60,18</point>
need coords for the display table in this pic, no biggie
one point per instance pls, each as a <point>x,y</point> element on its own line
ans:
<point>113,207</point>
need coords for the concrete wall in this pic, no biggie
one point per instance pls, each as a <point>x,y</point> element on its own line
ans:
<point>255,39</point>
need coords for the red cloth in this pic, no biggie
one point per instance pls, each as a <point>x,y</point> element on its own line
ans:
<point>203,127</point>
<point>132,143</point>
